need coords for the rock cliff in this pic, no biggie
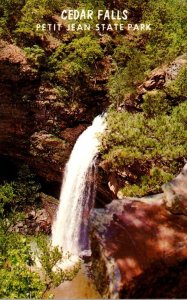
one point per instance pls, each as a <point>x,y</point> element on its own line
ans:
<point>39,128</point>
<point>36,126</point>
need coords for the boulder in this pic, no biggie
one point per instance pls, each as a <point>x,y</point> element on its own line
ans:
<point>38,220</point>
<point>175,67</point>
<point>160,77</point>
<point>50,205</point>
<point>139,245</point>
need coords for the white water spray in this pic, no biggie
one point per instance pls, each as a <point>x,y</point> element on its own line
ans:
<point>69,230</point>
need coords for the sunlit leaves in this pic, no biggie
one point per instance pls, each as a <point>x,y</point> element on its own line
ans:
<point>136,142</point>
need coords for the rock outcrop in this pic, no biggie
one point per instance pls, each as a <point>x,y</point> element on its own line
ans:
<point>142,243</point>
<point>157,84</point>
<point>37,126</point>
<point>158,79</point>
<point>50,204</point>
<point>37,219</point>
<point>35,222</point>
<point>175,193</point>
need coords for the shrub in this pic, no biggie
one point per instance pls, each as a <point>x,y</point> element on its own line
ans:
<point>155,103</point>
<point>139,144</point>
<point>35,55</point>
<point>7,196</point>
<point>17,280</point>
<point>25,187</point>
<point>177,89</point>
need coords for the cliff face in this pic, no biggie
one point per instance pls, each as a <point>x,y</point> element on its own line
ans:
<point>36,126</point>
<point>39,128</point>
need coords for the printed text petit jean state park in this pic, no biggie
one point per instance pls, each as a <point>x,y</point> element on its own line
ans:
<point>119,21</point>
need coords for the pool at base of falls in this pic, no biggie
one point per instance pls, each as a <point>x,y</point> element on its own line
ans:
<point>81,287</point>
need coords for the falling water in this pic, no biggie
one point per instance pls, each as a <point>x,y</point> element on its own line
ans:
<point>70,227</point>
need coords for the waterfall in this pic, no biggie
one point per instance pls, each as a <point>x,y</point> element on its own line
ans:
<point>69,230</point>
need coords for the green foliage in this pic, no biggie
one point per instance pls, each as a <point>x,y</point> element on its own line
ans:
<point>34,12</point>
<point>135,7</point>
<point>35,55</point>
<point>49,258</point>
<point>134,57</point>
<point>10,13</point>
<point>23,191</point>
<point>25,187</point>
<point>19,17</point>
<point>154,138</point>
<point>155,103</point>
<point>149,184</point>
<point>131,63</point>
<point>126,79</point>
<point>74,62</point>
<point>147,148</point>
<point>178,88</point>
<point>19,276</point>
<point>76,58</point>
<point>167,38</point>
<point>82,53</point>
<point>6,196</point>
<point>17,279</point>
<point>139,144</point>
<point>86,48</point>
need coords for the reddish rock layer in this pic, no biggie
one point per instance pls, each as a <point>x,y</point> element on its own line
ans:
<point>148,244</point>
<point>37,126</point>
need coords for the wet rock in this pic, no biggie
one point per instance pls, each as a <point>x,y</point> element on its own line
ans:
<point>129,104</point>
<point>42,221</point>
<point>140,236</point>
<point>19,225</point>
<point>146,240</point>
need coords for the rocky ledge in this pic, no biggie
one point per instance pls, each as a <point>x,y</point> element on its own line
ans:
<point>37,219</point>
<point>138,244</point>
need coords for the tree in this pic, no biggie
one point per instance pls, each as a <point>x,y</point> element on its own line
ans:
<point>150,149</point>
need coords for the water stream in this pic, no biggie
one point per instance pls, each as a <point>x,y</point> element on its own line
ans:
<point>70,228</point>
